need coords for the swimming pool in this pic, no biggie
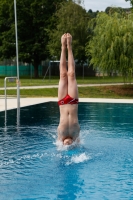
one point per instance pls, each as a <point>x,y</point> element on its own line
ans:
<point>33,167</point>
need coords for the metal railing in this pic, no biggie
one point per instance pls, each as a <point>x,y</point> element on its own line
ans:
<point>12,79</point>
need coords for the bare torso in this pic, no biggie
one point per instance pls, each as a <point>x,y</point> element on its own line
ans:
<point>68,126</point>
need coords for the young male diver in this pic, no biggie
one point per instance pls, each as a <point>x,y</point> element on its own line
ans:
<point>68,129</point>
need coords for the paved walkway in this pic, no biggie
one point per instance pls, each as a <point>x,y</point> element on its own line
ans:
<point>56,86</point>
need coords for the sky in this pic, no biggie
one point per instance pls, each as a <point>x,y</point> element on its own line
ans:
<point>101,5</point>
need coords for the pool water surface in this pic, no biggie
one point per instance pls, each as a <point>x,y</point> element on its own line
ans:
<point>34,167</point>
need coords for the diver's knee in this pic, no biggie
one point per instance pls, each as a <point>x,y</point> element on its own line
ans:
<point>63,75</point>
<point>71,74</point>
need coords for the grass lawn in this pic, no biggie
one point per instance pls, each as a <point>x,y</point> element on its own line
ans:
<point>55,80</point>
<point>121,91</point>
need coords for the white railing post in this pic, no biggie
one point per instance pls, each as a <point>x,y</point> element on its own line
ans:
<point>11,79</point>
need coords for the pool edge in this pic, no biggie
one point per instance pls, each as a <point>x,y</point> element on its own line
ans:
<point>12,102</point>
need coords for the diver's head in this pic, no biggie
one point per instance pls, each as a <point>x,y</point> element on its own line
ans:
<point>68,141</point>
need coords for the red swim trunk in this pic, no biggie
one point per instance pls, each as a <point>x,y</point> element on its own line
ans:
<point>67,100</point>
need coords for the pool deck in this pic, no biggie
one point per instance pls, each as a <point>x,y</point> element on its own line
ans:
<point>12,102</point>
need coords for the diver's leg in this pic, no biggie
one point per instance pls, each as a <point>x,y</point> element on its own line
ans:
<point>72,83</point>
<point>63,82</point>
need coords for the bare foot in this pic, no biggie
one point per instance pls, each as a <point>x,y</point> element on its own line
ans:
<point>69,40</point>
<point>64,40</point>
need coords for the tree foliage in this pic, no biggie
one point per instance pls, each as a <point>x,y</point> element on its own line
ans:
<point>112,44</point>
<point>92,14</point>
<point>7,35</point>
<point>34,19</point>
<point>71,18</point>
<point>122,11</point>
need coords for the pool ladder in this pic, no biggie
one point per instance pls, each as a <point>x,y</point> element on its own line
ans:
<point>12,79</point>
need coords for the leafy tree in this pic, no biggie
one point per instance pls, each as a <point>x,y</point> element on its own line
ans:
<point>71,18</point>
<point>122,11</point>
<point>112,44</point>
<point>34,19</point>
<point>111,10</point>
<point>92,14</point>
<point>7,36</point>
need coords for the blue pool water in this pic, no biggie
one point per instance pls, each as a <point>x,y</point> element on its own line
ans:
<point>33,167</point>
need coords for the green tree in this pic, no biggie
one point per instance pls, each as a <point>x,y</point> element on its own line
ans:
<point>92,14</point>
<point>7,35</point>
<point>71,18</point>
<point>34,19</point>
<point>112,44</point>
<point>111,10</point>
